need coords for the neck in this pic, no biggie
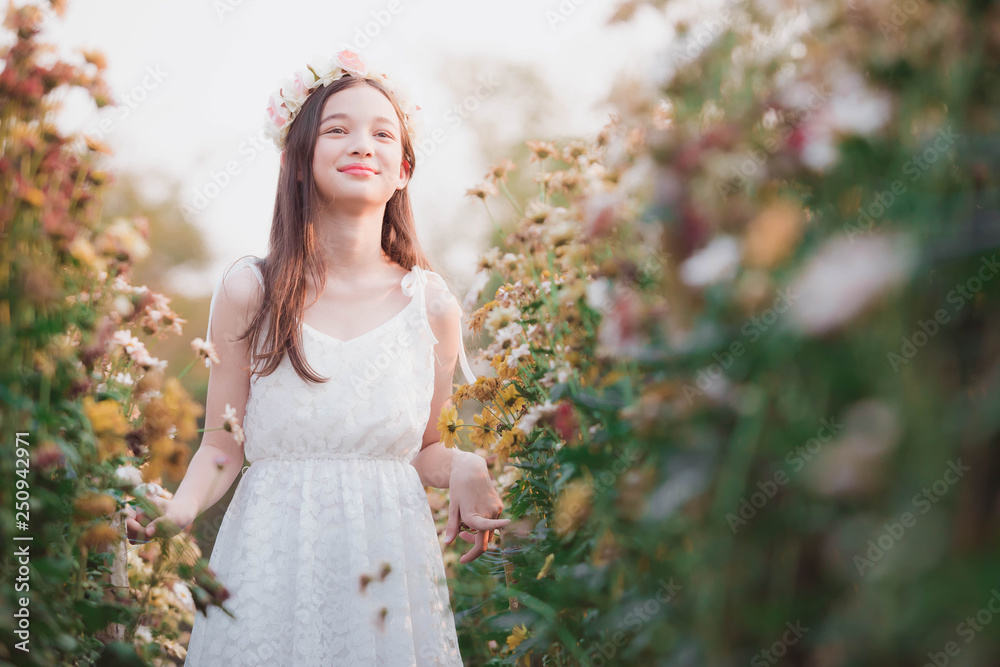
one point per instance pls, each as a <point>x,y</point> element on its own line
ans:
<point>351,241</point>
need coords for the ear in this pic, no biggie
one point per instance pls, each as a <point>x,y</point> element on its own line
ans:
<point>404,174</point>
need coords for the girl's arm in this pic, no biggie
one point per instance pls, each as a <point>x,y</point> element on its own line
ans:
<point>204,482</point>
<point>473,499</point>
<point>434,462</point>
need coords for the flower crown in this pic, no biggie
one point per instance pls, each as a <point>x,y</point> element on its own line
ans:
<point>285,104</point>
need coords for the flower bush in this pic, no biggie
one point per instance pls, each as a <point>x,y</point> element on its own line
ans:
<point>745,354</point>
<point>91,420</point>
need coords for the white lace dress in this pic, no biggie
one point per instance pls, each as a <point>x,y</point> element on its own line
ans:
<point>330,496</point>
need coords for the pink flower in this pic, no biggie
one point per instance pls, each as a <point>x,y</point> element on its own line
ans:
<point>352,63</point>
<point>299,84</point>
<point>277,111</point>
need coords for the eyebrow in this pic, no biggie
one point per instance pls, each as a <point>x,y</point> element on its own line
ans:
<point>344,115</point>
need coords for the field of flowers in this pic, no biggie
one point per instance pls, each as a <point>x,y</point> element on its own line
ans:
<point>745,343</point>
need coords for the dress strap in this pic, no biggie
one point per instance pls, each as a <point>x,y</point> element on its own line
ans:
<point>250,261</point>
<point>415,285</point>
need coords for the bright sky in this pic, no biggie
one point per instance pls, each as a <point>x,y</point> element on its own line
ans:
<point>194,77</point>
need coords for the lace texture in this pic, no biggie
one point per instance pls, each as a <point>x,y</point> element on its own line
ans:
<point>330,497</point>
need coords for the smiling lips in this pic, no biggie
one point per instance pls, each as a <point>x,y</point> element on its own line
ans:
<point>359,168</point>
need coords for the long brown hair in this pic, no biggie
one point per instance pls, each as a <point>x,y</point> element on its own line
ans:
<point>292,249</point>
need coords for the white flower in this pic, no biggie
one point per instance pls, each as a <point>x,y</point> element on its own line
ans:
<point>502,314</point>
<point>143,633</point>
<point>123,305</point>
<point>714,263</point>
<point>149,489</point>
<point>843,278</point>
<point>129,474</point>
<point>322,70</point>
<point>293,96</point>
<point>183,595</point>
<point>599,294</point>
<point>857,108</point>
<point>305,79</point>
<point>515,354</point>
<point>323,67</point>
<point>231,424</point>
<point>509,332</point>
<point>478,283</point>
<point>535,413</point>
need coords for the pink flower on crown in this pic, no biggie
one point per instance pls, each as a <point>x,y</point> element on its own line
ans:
<point>303,81</point>
<point>352,63</point>
<point>321,70</point>
<point>277,111</point>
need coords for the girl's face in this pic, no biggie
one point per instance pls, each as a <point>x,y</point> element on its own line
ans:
<point>359,150</point>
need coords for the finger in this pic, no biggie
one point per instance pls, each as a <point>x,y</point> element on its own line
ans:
<point>159,503</point>
<point>468,537</point>
<point>482,523</point>
<point>133,527</point>
<point>472,554</point>
<point>484,540</point>
<point>451,528</point>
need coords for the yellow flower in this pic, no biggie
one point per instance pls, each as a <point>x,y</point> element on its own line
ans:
<point>572,507</point>
<point>109,425</point>
<point>507,442</point>
<point>98,535</point>
<point>481,435</point>
<point>33,196</point>
<point>83,252</point>
<point>512,399</point>
<point>183,411</point>
<point>773,235</point>
<point>95,504</point>
<point>448,425</point>
<point>176,461</point>
<point>519,634</point>
<point>484,389</point>
<point>546,567</point>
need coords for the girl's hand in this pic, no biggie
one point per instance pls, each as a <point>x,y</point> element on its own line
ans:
<point>173,517</point>
<point>474,503</point>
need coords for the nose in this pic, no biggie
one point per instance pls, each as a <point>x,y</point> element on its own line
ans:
<point>362,145</point>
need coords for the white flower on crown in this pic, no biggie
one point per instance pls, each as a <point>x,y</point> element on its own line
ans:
<point>321,70</point>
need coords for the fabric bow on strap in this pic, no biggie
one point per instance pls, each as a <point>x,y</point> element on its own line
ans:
<point>414,284</point>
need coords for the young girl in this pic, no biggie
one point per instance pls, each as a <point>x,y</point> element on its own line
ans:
<point>328,547</point>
